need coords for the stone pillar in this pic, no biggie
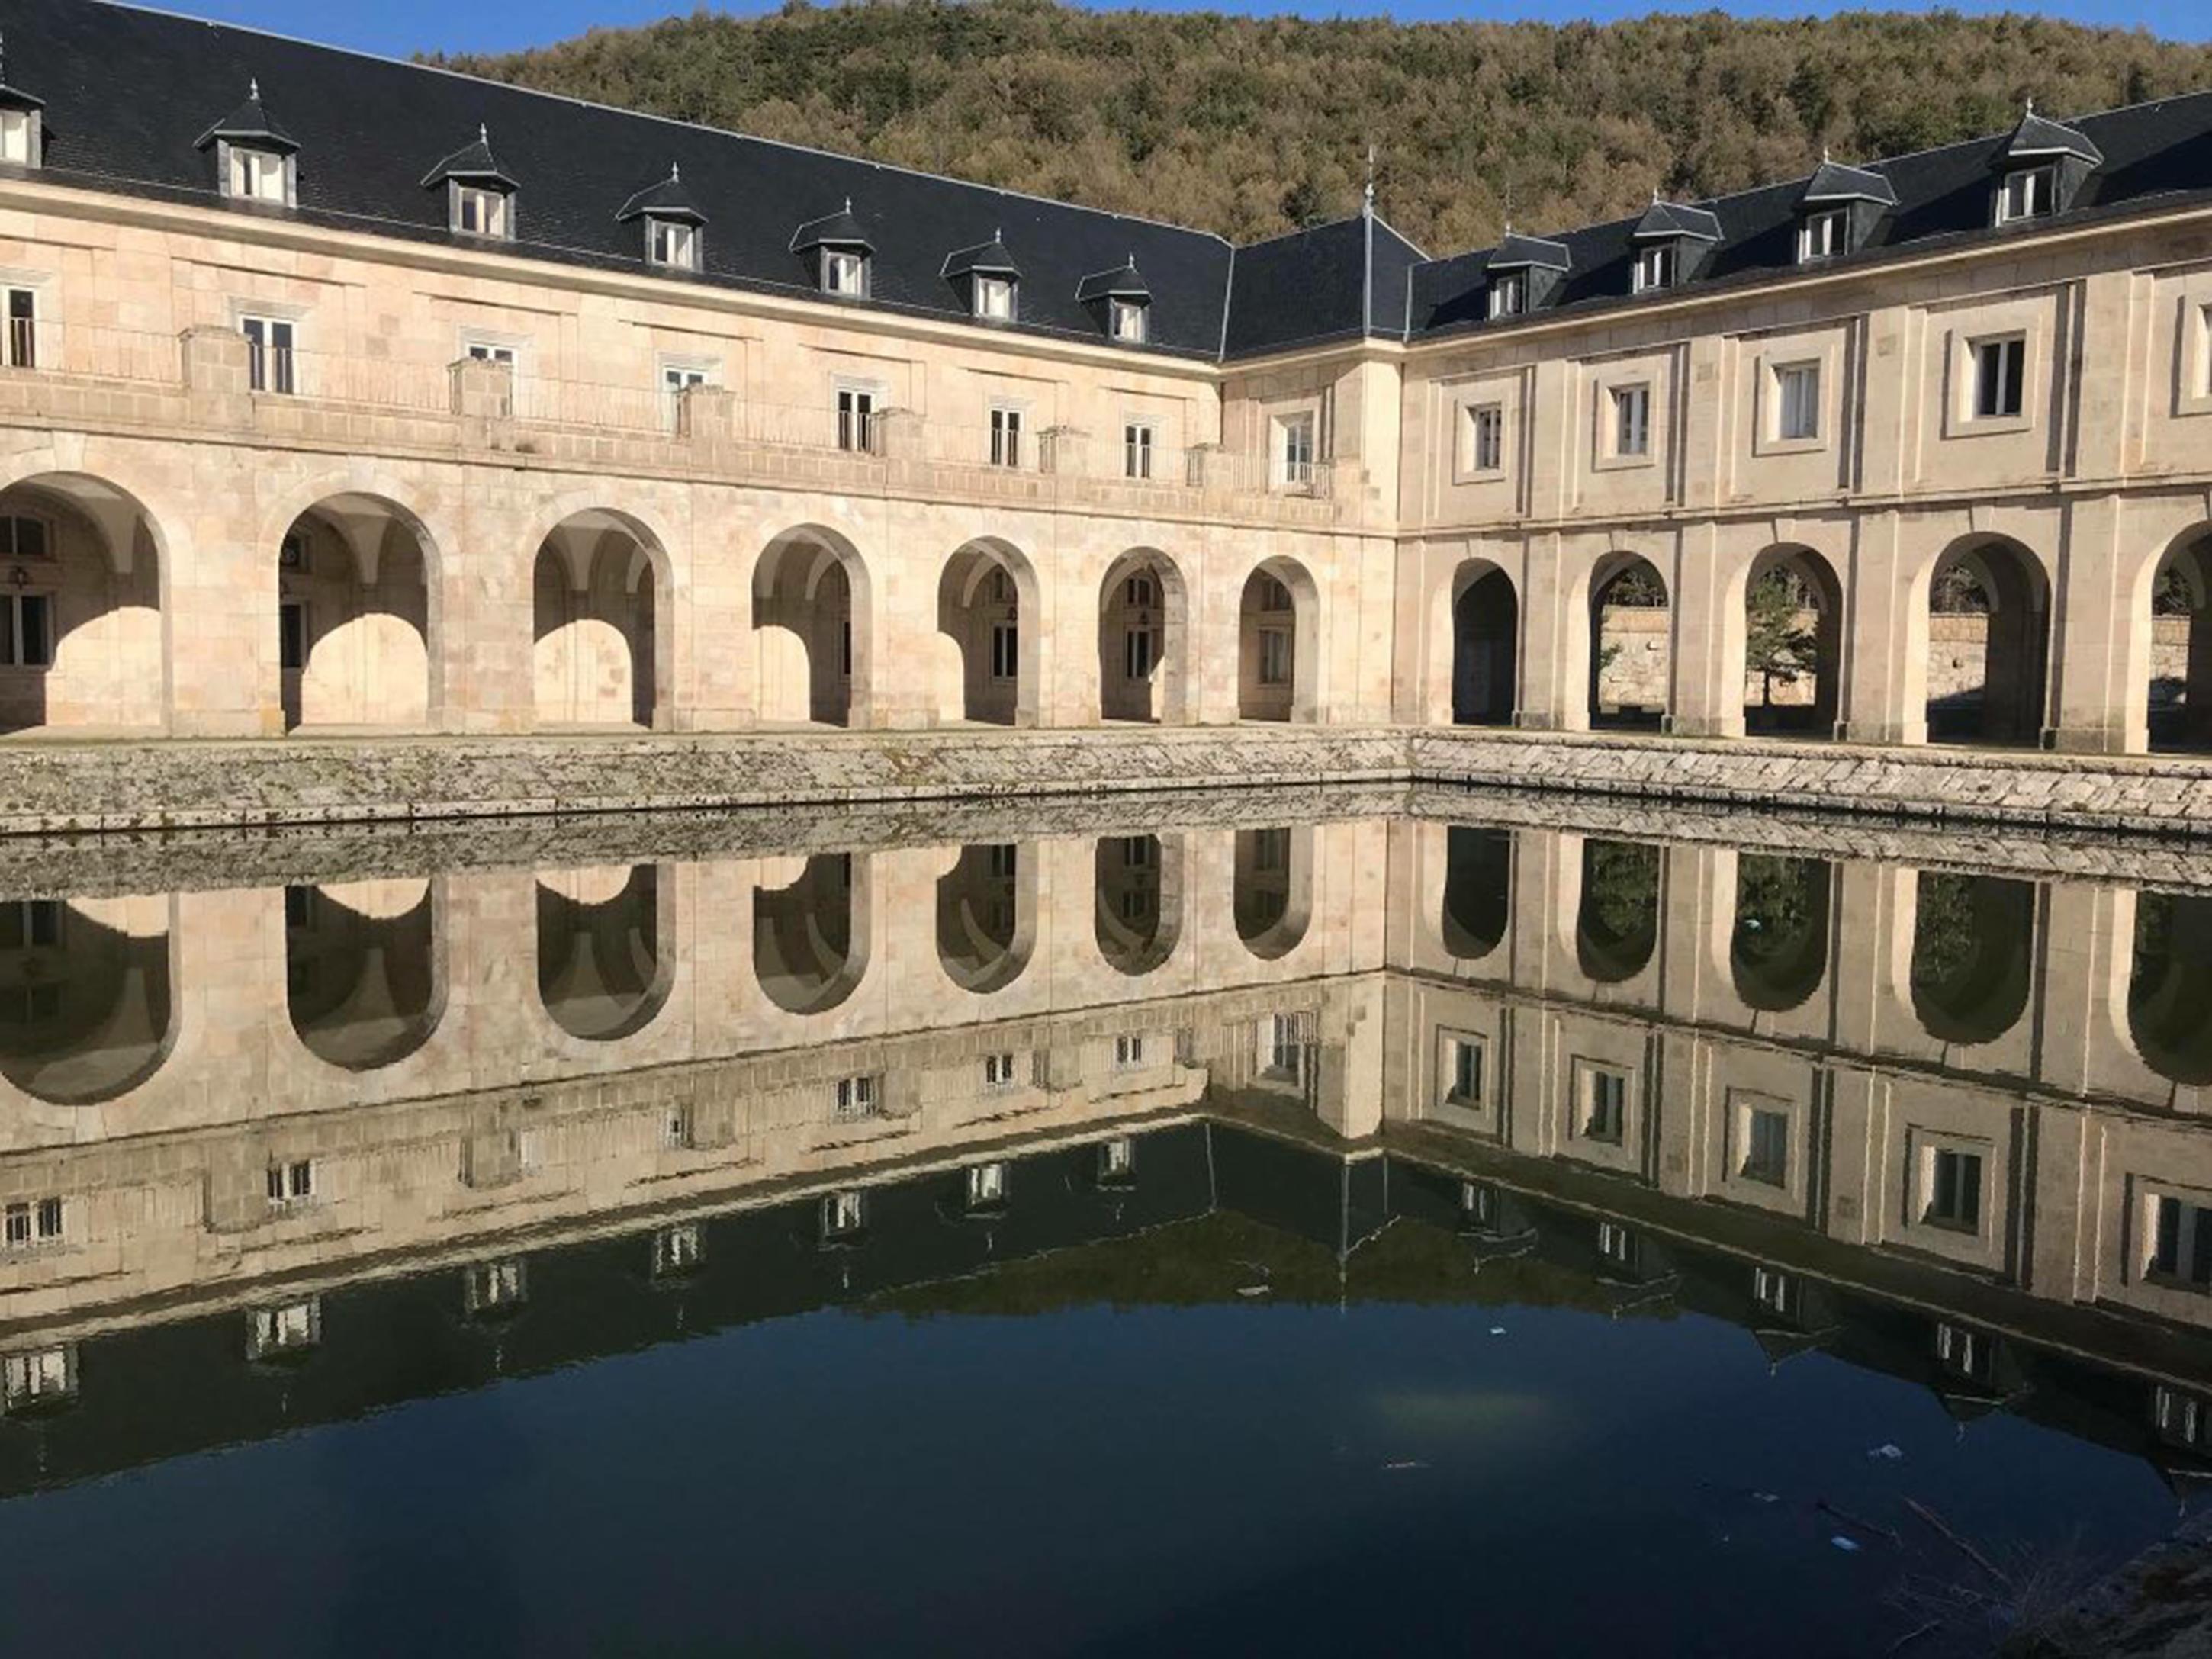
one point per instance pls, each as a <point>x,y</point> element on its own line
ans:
<point>1888,677</point>
<point>707,416</point>
<point>1555,642</point>
<point>483,399</point>
<point>1063,451</point>
<point>1705,698</point>
<point>2100,659</point>
<point>218,377</point>
<point>220,620</point>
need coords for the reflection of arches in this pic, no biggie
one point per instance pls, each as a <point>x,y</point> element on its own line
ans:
<point>604,949</point>
<point>80,580</point>
<point>1778,950</point>
<point>987,602</point>
<point>1632,652</point>
<point>2170,989</point>
<point>87,1000</point>
<point>1986,595</point>
<point>987,917</point>
<point>811,629</point>
<point>1486,643</point>
<point>2180,667</point>
<point>810,939</point>
<point>1789,613</point>
<point>1140,901</point>
<point>1143,633</point>
<point>1617,923</point>
<point>1973,945</point>
<point>1272,892</point>
<point>1278,647</point>
<point>354,575</point>
<point>601,657</point>
<point>364,978</point>
<point>1478,889</point>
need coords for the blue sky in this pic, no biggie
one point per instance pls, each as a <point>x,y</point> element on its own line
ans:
<point>400,26</point>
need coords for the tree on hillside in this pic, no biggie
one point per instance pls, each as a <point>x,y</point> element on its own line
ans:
<point>1777,646</point>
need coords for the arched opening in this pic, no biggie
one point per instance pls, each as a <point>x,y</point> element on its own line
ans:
<point>1273,890</point>
<point>1277,650</point>
<point>1778,952</point>
<point>1478,890</point>
<point>86,1003</point>
<point>810,939</point>
<point>987,917</point>
<point>1144,627</point>
<point>362,979</point>
<point>600,657</point>
<point>353,616</point>
<point>1617,924</point>
<point>2170,990</point>
<point>2181,647</point>
<point>1974,949</point>
<point>983,597</point>
<point>1989,616</point>
<point>603,959</point>
<point>1485,645</point>
<point>811,630</point>
<point>1140,901</point>
<point>81,643</point>
<point>1632,662</point>
<point>1793,645</point>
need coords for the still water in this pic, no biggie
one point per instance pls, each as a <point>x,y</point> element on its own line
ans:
<point>1337,1225</point>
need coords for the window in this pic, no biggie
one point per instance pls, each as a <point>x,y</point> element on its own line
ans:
<point>1274,656</point>
<point>2031,193</point>
<point>256,175</point>
<point>291,636</point>
<point>1485,437</point>
<point>15,131</point>
<point>672,243</point>
<point>1463,1082</point>
<point>1964,1354</point>
<point>1137,653</point>
<point>1129,1053</point>
<point>1797,402</point>
<point>1508,295</point>
<point>845,274</point>
<point>1615,1242</point>
<point>1953,1181</point>
<point>1824,235</point>
<point>30,1221</point>
<point>489,351</point>
<point>994,299</point>
<point>1117,1158</point>
<point>1631,420</point>
<point>28,1378</point>
<point>26,630</point>
<point>22,343</point>
<point>676,379</point>
<point>1605,1105</point>
<point>1478,1205</point>
<point>1006,649</point>
<point>291,1183</point>
<point>676,1129</point>
<point>998,1071</point>
<point>493,1287</point>
<point>269,342</point>
<point>23,537</point>
<point>1655,267</point>
<point>987,1186</point>
<point>1005,437</point>
<point>1274,595</point>
<point>2204,350</point>
<point>285,1329</point>
<point>1125,321</point>
<point>854,1099</point>
<point>1283,1052</point>
<point>1775,1291</point>
<point>2181,1418</point>
<point>479,211</point>
<point>2000,377</point>
<point>30,924</point>
<point>844,1214</point>
<point>856,420</point>
<point>1295,449</point>
<point>1006,860</point>
<point>2180,1242</point>
<point>1137,852</point>
<point>1765,1147</point>
<point>677,1249</point>
<point>1137,449</point>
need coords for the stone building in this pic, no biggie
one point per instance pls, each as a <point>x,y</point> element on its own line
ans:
<point>341,394</point>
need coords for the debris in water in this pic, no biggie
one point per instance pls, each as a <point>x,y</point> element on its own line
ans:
<point>1888,1452</point>
<point>1849,1545</point>
<point>1497,1330</point>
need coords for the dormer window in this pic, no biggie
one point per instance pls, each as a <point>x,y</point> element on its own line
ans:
<point>1673,245</point>
<point>256,175</point>
<point>1656,267</point>
<point>1125,321</point>
<point>254,157</point>
<point>672,223</point>
<point>672,243</point>
<point>1119,302</point>
<point>1509,295</point>
<point>479,196</point>
<point>2041,169</point>
<point>844,273</point>
<point>18,132</point>
<point>1824,235</point>
<point>2030,193</point>
<point>994,299</point>
<point>479,210</point>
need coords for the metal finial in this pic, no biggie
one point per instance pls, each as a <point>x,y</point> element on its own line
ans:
<point>1655,195</point>
<point>676,173</point>
<point>1824,155</point>
<point>253,89</point>
<point>848,204</point>
<point>484,133</point>
<point>2031,103</point>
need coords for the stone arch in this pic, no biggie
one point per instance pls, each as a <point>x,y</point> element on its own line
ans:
<point>1617,915</point>
<point>1486,633</point>
<point>1138,912</point>
<point>606,940</point>
<point>1983,618</point>
<point>989,603</point>
<point>1974,949</point>
<point>83,607</point>
<point>1778,945</point>
<point>2170,985</point>
<point>987,917</point>
<point>364,969</point>
<point>1144,641</point>
<point>358,585</point>
<point>1631,653</point>
<point>1279,643</point>
<point>813,628</point>
<point>1478,898</point>
<point>88,998</point>
<point>1272,890</point>
<point>1784,624</point>
<point>810,937</point>
<point>603,655</point>
<point>2180,668</point>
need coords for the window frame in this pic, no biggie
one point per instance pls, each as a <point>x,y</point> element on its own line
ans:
<point>1823,234</point>
<point>665,236</point>
<point>24,124</point>
<point>496,210</point>
<point>1128,322</point>
<point>1295,449</point>
<point>994,299</point>
<point>2038,188</point>
<point>857,431</point>
<point>1139,439</point>
<point>1616,427</point>
<point>243,166</point>
<point>1508,297</point>
<point>1484,424</point>
<point>2016,378</point>
<point>1779,377</point>
<point>16,606</point>
<point>266,353</point>
<point>19,304</point>
<point>1005,422</point>
<point>1658,267</point>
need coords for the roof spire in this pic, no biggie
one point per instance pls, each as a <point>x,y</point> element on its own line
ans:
<point>484,132</point>
<point>1369,196</point>
<point>1655,195</point>
<point>676,173</point>
<point>1824,155</point>
<point>848,204</point>
<point>253,89</point>
<point>2031,103</point>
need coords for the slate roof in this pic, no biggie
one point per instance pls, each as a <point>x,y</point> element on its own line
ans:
<point>1832,181</point>
<point>1665,219</point>
<point>251,123</point>
<point>2037,135</point>
<point>664,198</point>
<point>1122,283</point>
<point>1518,252</point>
<point>1310,286</point>
<point>990,257</point>
<point>840,229</point>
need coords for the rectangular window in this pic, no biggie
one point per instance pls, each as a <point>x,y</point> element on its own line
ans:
<point>1775,1291</point>
<point>1006,650</point>
<point>1137,653</point>
<point>1955,1190</point>
<point>987,1186</point>
<point>256,175</point>
<point>1765,1147</point>
<point>1117,1158</point>
<point>27,1378</point>
<point>856,420</point>
<point>1485,437</point>
<point>1295,452</point>
<point>844,1214</point>
<point>845,274</point>
<point>2031,193</point>
<point>2000,377</point>
<point>489,1286</point>
<point>1605,1106</point>
<point>292,635</point>
<point>30,924</point>
<point>673,243</point>
<point>1508,295</point>
<point>1274,656</point>
<point>676,379</point>
<point>1824,235</point>
<point>1478,1205</point>
<point>1631,420</point>
<point>26,630</point>
<point>1005,437</point>
<point>677,1249</point>
<point>1464,1087</point>
<point>16,137</point>
<point>676,1131</point>
<point>994,299</point>
<point>478,211</point>
<point>22,342</point>
<point>1615,1242</point>
<point>1283,1052</point>
<point>2181,1241</point>
<point>283,1330</point>
<point>292,1182</point>
<point>268,344</point>
<point>31,1221</point>
<point>1126,321</point>
<point>854,1099</point>
<point>1964,1354</point>
<point>1797,401</point>
<point>23,537</point>
<point>2181,1418</point>
<point>1137,449</point>
<point>1655,267</point>
<point>998,1071</point>
<point>1137,852</point>
<point>1129,1053</point>
<point>488,351</point>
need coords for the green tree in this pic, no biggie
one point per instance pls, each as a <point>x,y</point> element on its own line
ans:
<point>1777,646</point>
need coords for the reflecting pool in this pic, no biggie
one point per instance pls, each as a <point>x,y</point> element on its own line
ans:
<point>1332,1223</point>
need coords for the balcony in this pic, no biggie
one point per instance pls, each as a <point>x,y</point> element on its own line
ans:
<point>212,379</point>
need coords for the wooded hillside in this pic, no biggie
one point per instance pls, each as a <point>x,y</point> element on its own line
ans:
<point>1249,126</point>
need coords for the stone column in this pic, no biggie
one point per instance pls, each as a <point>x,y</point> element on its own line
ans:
<point>221,615</point>
<point>2101,661</point>
<point>1887,678</point>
